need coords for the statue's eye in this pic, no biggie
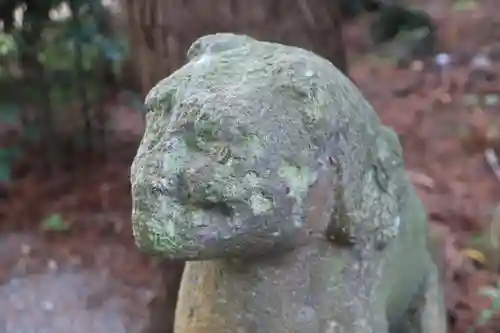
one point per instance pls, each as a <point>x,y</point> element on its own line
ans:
<point>342,239</point>
<point>159,189</point>
<point>340,234</point>
<point>207,130</point>
<point>222,154</point>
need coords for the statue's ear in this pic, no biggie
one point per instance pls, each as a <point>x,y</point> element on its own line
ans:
<point>392,139</point>
<point>339,230</point>
<point>216,43</point>
<point>196,49</point>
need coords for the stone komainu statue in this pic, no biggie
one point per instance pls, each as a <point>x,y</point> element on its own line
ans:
<point>267,171</point>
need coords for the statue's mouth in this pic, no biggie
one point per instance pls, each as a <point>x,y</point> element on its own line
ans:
<point>190,191</point>
<point>222,208</point>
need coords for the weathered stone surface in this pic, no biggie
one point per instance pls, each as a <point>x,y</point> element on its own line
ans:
<point>266,169</point>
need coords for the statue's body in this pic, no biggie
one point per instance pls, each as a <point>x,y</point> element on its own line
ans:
<point>266,169</point>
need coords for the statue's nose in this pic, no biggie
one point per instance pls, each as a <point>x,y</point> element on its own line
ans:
<point>185,185</point>
<point>193,184</point>
<point>192,189</point>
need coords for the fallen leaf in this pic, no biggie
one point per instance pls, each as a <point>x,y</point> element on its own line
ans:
<point>474,255</point>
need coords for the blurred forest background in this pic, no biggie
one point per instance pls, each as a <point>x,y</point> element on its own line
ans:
<point>73,77</point>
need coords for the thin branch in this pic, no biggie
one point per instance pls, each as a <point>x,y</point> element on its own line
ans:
<point>492,159</point>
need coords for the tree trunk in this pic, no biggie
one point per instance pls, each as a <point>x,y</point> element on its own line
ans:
<point>162,30</point>
<point>324,28</point>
